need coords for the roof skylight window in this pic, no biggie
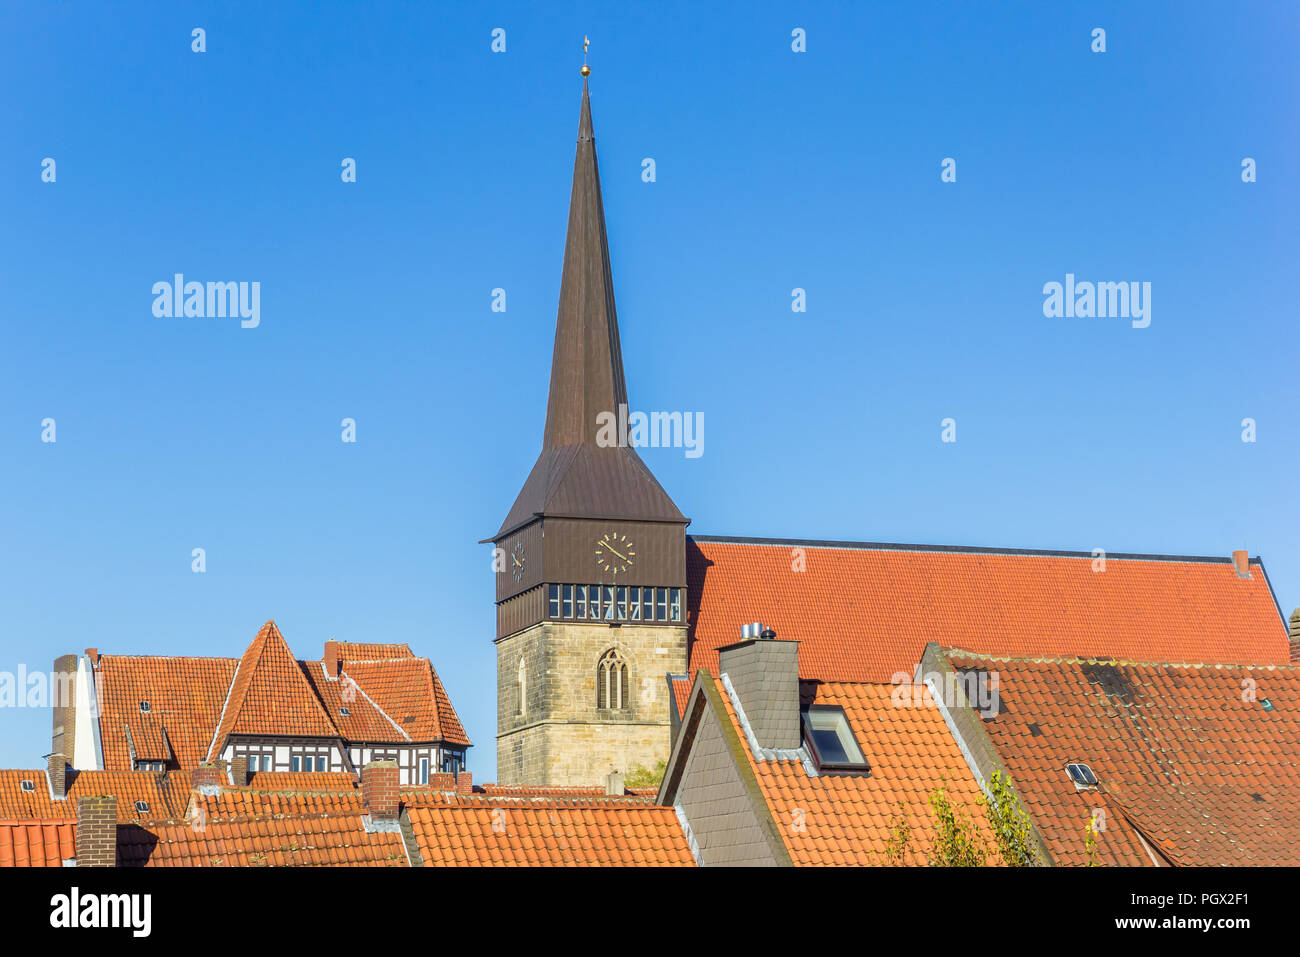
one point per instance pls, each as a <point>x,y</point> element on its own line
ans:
<point>834,747</point>
<point>1081,775</point>
<point>145,707</point>
<point>142,807</point>
<point>28,786</point>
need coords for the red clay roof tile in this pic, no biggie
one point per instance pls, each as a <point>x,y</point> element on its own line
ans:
<point>1187,755</point>
<point>865,613</point>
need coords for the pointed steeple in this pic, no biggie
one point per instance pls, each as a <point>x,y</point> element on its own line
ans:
<point>587,365</point>
<point>575,476</point>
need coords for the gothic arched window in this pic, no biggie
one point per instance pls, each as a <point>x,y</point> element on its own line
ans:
<point>611,681</point>
<point>521,686</point>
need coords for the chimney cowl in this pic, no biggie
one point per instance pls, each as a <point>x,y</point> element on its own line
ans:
<point>753,631</point>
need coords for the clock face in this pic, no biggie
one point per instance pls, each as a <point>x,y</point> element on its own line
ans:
<point>517,560</point>
<point>615,553</point>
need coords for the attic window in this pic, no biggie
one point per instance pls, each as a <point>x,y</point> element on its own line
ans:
<point>28,786</point>
<point>1081,775</point>
<point>346,712</point>
<point>145,707</point>
<point>826,728</point>
<point>142,807</point>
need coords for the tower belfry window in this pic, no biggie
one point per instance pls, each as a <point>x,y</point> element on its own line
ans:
<point>611,681</point>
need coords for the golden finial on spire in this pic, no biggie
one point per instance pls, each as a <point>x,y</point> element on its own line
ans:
<point>586,70</point>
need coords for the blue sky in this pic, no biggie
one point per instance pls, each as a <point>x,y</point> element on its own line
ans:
<point>775,170</point>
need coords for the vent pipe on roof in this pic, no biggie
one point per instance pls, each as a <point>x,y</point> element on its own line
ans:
<point>755,630</point>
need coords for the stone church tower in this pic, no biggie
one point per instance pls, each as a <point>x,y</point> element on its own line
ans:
<point>591,601</point>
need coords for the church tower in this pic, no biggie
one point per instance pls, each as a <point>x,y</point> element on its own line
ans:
<point>591,580</point>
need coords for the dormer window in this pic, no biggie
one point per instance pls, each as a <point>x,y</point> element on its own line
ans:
<point>827,731</point>
<point>142,807</point>
<point>1081,775</point>
<point>27,787</point>
<point>145,707</point>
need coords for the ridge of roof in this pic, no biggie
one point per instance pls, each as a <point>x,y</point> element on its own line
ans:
<point>1118,662</point>
<point>962,549</point>
<point>105,655</point>
<point>389,718</point>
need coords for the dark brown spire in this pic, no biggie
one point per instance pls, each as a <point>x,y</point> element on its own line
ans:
<point>587,365</point>
<point>574,476</point>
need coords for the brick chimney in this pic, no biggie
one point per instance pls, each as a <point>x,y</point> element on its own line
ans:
<point>208,779</point>
<point>97,831</point>
<point>379,790</point>
<point>1294,635</point>
<point>614,784</point>
<point>765,675</point>
<point>239,770</point>
<point>1241,561</point>
<point>63,739</point>
<point>93,655</point>
<point>333,659</point>
<point>56,769</point>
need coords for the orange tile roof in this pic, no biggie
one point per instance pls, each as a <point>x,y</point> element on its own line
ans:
<point>555,834</point>
<point>249,804</point>
<point>362,651</point>
<point>501,794</point>
<point>403,688</point>
<point>269,692</point>
<point>865,612</point>
<point>271,695</point>
<point>365,721</point>
<point>166,794</point>
<point>36,843</point>
<point>302,781</point>
<point>185,696</point>
<point>1181,752</point>
<point>845,820</point>
<point>329,838</point>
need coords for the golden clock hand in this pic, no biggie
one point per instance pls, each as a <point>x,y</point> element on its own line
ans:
<point>624,557</point>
